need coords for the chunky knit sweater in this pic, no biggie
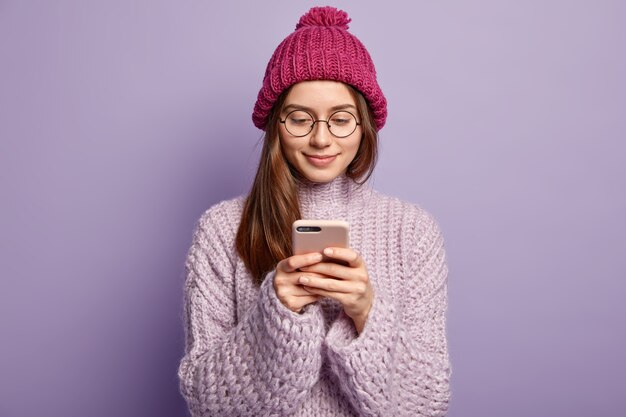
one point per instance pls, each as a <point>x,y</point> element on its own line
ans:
<point>248,355</point>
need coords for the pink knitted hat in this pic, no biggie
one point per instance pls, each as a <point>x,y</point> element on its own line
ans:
<point>321,48</point>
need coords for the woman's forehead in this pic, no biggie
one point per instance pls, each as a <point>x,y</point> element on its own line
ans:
<point>320,95</point>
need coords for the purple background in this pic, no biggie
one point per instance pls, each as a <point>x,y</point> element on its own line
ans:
<point>121,122</point>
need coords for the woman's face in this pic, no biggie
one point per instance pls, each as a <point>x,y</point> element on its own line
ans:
<point>319,156</point>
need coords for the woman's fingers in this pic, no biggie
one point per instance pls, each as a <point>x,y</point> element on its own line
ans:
<point>355,269</point>
<point>296,304</point>
<point>298,291</point>
<point>332,285</point>
<point>333,270</point>
<point>295,262</point>
<point>347,284</point>
<point>290,293</point>
<point>342,297</point>
<point>330,269</point>
<point>353,259</point>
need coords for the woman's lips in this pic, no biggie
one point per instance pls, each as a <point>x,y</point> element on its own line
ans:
<point>320,161</point>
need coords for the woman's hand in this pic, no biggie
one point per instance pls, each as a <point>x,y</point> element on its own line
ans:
<point>350,285</point>
<point>288,289</point>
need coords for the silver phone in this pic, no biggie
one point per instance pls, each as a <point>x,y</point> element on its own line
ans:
<point>314,235</point>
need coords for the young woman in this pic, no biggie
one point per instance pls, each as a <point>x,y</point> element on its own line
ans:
<point>269,333</point>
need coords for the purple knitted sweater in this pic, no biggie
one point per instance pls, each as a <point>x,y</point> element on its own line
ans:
<point>248,355</point>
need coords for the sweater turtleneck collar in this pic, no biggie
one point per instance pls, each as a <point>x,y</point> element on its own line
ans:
<point>330,200</point>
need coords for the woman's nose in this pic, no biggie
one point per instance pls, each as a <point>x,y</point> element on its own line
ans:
<point>321,136</point>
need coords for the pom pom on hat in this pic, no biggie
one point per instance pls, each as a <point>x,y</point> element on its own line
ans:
<point>325,16</point>
<point>320,48</point>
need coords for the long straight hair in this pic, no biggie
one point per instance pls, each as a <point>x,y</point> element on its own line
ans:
<point>264,234</point>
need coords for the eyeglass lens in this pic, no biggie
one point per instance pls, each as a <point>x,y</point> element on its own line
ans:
<point>300,123</point>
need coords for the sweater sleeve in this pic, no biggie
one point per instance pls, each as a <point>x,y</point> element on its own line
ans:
<point>399,363</point>
<point>262,364</point>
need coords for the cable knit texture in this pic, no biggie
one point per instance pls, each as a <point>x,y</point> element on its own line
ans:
<point>248,355</point>
<point>321,48</point>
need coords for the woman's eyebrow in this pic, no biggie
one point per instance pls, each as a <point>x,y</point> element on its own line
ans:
<point>300,107</point>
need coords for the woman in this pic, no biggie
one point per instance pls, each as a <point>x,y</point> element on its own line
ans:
<point>271,334</point>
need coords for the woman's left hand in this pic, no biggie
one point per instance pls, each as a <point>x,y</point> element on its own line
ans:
<point>350,285</point>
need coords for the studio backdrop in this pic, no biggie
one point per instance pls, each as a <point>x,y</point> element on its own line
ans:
<point>121,122</point>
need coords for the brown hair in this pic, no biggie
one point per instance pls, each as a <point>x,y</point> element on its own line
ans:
<point>264,235</point>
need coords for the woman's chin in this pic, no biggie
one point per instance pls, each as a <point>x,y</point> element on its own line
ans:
<point>319,176</point>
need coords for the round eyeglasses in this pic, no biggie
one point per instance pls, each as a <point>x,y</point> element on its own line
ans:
<point>300,123</point>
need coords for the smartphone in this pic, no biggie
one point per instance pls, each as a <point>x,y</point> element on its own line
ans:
<point>314,235</point>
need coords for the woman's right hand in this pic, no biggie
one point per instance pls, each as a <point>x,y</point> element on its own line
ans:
<point>288,290</point>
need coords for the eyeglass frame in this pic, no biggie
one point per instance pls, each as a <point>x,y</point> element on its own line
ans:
<point>320,120</point>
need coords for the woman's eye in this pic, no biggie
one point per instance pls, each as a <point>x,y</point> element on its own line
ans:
<point>300,121</point>
<point>340,121</point>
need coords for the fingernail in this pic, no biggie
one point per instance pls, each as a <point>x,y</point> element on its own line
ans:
<point>304,280</point>
<point>318,257</point>
<point>328,251</point>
